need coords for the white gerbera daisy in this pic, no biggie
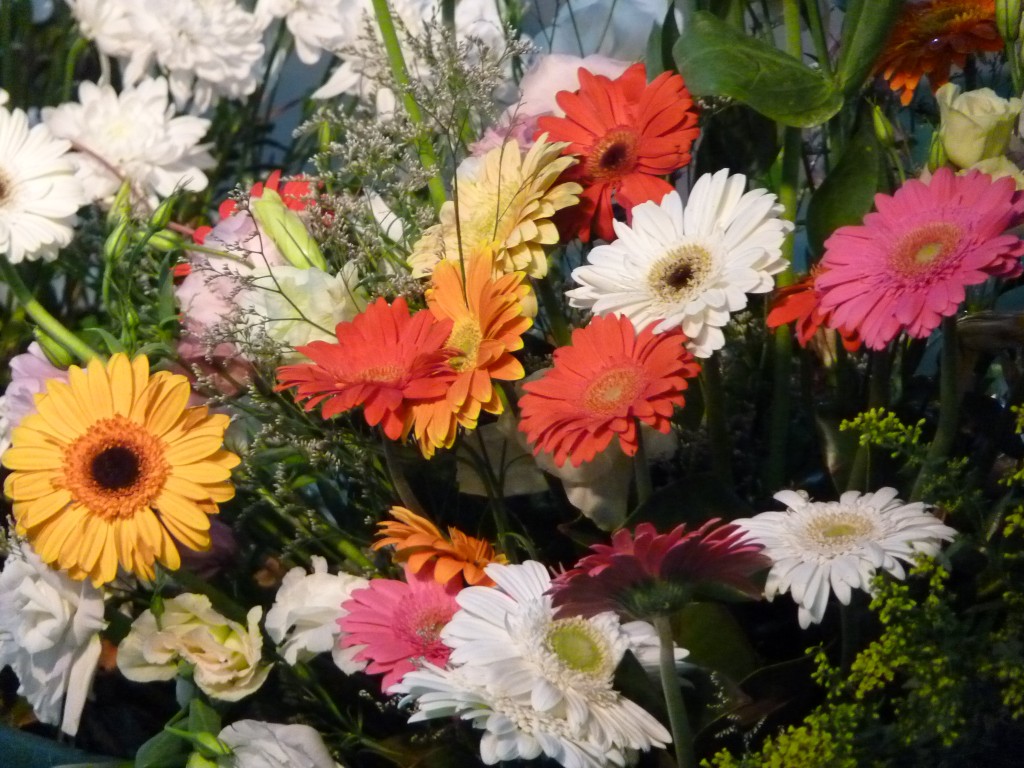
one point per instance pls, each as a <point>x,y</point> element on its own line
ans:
<point>836,546</point>
<point>560,667</point>
<point>688,268</point>
<point>207,48</point>
<point>39,194</point>
<point>133,135</point>
<point>513,728</point>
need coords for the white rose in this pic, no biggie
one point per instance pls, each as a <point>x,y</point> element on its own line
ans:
<point>225,655</point>
<point>976,125</point>
<point>49,636</point>
<point>304,618</point>
<point>257,744</point>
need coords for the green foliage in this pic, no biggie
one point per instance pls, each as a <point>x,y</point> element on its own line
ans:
<point>718,60</point>
<point>880,428</point>
<point>865,28</point>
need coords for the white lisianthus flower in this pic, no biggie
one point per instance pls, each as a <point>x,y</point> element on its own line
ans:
<point>536,683</point>
<point>976,125</point>
<point>304,618</point>
<point>225,655</point>
<point>689,268</point>
<point>134,135</point>
<point>315,25</point>
<point>39,194</point>
<point>837,546</point>
<point>49,636</point>
<point>208,49</point>
<point>295,306</point>
<point>255,744</point>
<point>998,168</point>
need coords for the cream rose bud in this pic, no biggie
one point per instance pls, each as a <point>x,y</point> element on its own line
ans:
<point>256,744</point>
<point>225,655</point>
<point>976,125</point>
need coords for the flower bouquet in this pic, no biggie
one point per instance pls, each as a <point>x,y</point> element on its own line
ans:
<point>460,382</point>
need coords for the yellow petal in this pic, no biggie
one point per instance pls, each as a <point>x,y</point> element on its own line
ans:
<point>171,505</point>
<point>31,485</point>
<point>122,383</point>
<point>36,512</point>
<point>32,458</point>
<point>65,406</point>
<point>167,405</point>
<point>96,388</point>
<point>192,449</point>
<point>189,537</point>
<point>51,540</point>
<point>203,472</point>
<point>186,487</point>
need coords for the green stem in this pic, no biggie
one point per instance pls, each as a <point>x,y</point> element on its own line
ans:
<point>818,35</point>
<point>561,331</point>
<point>399,481</point>
<point>678,721</point>
<point>713,389</point>
<point>428,158</point>
<point>642,468</point>
<point>848,629</point>
<point>949,405</point>
<point>50,325</point>
<point>80,45</point>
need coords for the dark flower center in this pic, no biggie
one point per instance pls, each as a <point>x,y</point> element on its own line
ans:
<point>115,468</point>
<point>614,155</point>
<point>680,277</point>
<point>5,188</point>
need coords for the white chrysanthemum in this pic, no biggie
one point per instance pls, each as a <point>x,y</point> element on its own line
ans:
<point>689,268</point>
<point>563,667</point>
<point>39,194</point>
<point>316,25</point>
<point>294,306</point>
<point>513,728</point>
<point>207,48</point>
<point>837,546</point>
<point>108,24</point>
<point>134,135</point>
<point>255,744</point>
<point>304,618</point>
<point>49,636</point>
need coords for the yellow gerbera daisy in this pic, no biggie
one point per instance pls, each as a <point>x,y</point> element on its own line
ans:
<point>505,204</point>
<point>115,468</point>
<point>487,327</point>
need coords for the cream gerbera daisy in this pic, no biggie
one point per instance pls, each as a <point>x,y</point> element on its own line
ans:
<point>835,546</point>
<point>509,639</point>
<point>39,194</point>
<point>116,469</point>
<point>691,268</point>
<point>505,203</point>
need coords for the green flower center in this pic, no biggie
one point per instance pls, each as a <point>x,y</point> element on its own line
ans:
<point>577,646</point>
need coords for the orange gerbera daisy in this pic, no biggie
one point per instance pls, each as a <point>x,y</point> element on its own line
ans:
<point>114,468</point>
<point>599,388</point>
<point>929,37</point>
<point>418,542</point>
<point>385,360</point>
<point>628,134</point>
<point>487,323</point>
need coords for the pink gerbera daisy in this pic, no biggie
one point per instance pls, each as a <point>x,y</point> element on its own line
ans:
<point>644,574</point>
<point>399,623</point>
<point>907,266</point>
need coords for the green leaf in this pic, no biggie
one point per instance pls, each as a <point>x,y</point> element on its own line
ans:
<point>165,750</point>
<point>714,639</point>
<point>848,191</point>
<point>717,60</point>
<point>865,29</point>
<point>202,718</point>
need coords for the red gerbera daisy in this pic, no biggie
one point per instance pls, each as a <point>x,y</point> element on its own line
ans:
<point>385,360</point>
<point>601,385</point>
<point>627,134</point>
<point>800,303</point>
<point>930,37</point>
<point>646,573</point>
<point>907,266</point>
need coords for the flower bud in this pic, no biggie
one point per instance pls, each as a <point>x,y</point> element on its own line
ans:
<point>287,230</point>
<point>121,208</point>
<point>54,352</point>
<point>1008,19</point>
<point>210,745</point>
<point>976,125</point>
<point>936,154</point>
<point>883,128</point>
<point>163,240</point>
<point>162,215</point>
<point>116,242</point>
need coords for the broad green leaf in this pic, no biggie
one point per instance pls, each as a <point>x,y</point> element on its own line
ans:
<point>848,191</point>
<point>717,60</point>
<point>202,718</point>
<point>714,639</point>
<point>165,750</point>
<point>865,29</point>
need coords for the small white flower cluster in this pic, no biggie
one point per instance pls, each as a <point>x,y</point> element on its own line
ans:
<point>537,684</point>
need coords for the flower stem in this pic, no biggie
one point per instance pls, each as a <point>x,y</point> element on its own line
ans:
<point>428,157</point>
<point>642,468</point>
<point>399,481</point>
<point>949,404</point>
<point>714,415</point>
<point>50,325</point>
<point>678,721</point>
<point>560,329</point>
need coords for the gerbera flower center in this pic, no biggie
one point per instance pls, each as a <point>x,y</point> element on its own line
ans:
<point>420,624</point>
<point>833,532</point>
<point>466,337</point>
<point>116,468</point>
<point>613,391</point>
<point>681,273</point>
<point>935,24</point>
<point>6,188</point>
<point>922,249</point>
<point>386,373</point>
<point>578,646</point>
<point>614,155</point>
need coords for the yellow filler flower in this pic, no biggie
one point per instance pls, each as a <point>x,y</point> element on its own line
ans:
<point>116,468</point>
